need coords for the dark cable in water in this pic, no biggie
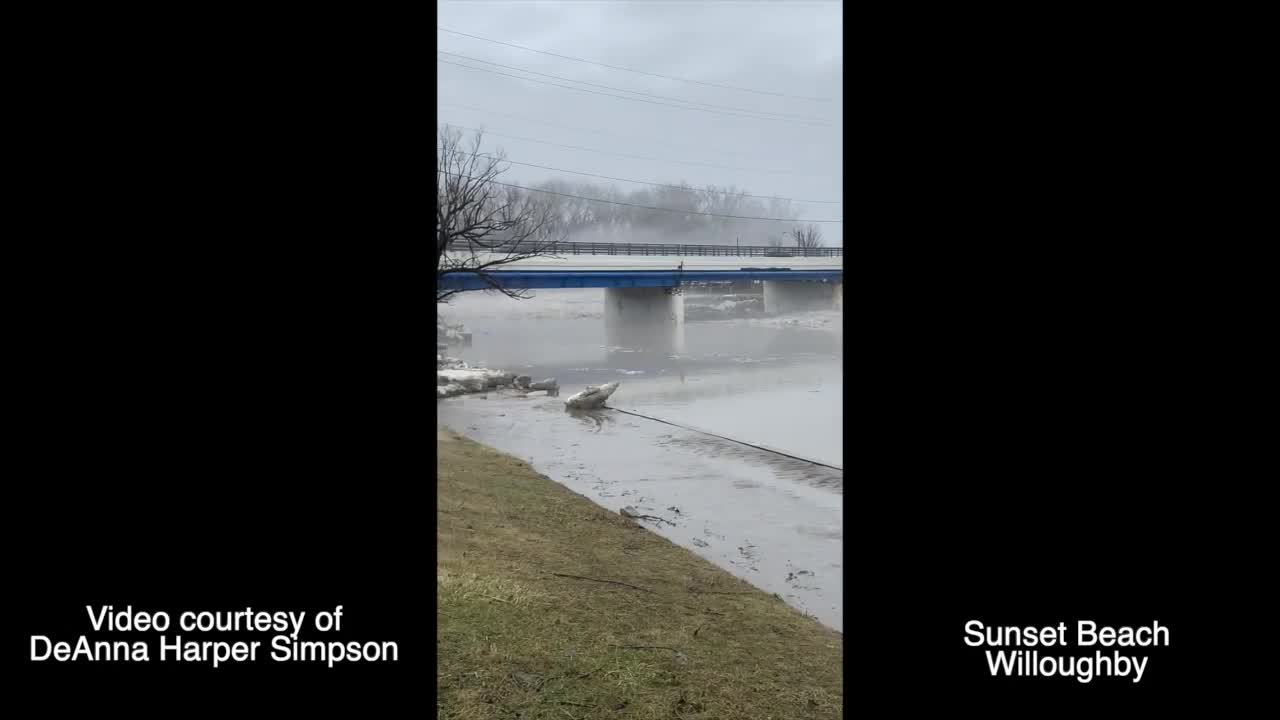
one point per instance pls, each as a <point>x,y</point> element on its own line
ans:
<point>722,437</point>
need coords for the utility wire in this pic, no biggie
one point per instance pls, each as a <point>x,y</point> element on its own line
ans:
<point>594,132</point>
<point>722,437</point>
<point>637,157</point>
<point>636,92</point>
<point>640,100</point>
<point>640,72</point>
<point>645,182</point>
<point>643,207</point>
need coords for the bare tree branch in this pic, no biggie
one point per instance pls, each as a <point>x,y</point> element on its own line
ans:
<point>481,225</point>
<point>807,236</point>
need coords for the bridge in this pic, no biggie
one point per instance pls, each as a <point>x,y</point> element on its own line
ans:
<point>643,305</point>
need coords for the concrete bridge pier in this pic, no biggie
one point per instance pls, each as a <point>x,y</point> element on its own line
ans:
<point>786,296</point>
<point>649,318</point>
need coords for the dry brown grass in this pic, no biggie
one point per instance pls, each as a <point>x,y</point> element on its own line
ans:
<point>517,641</point>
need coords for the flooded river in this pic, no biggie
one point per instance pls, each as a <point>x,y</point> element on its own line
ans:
<point>772,518</point>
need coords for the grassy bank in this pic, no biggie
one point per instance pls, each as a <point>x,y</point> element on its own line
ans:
<point>553,607</point>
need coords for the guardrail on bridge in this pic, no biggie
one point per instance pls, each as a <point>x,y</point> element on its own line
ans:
<point>604,248</point>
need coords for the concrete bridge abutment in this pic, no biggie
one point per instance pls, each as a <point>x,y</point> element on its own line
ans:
<point>787,296</point>
<point>648,318</point>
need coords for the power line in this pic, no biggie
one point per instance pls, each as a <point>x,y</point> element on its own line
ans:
<point>624,97</point>
<point>637,157</point>
<point>589,130</point>
<point>645,182</point>
<point>641,100</point>
<point>643,207</point>
<point>635,92</point>
<point>722,437</point>
<point>640,72</point>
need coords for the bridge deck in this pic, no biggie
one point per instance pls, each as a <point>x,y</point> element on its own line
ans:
<point>669,262</point>
<point>603,271</point>
<point>628,278</point>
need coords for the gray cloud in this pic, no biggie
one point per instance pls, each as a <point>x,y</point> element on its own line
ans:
<point>786,47</point>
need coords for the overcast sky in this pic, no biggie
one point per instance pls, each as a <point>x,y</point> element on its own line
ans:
<point>788,47</point>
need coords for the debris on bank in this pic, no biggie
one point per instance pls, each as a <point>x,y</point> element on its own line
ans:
<point>457,382</point>
<point>450,363</point>
<point>549,385</point>
<point>455,377</point>
<point>452,380</point>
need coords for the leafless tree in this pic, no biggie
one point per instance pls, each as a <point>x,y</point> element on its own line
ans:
<point>807,236</point>
<point>482,224</point>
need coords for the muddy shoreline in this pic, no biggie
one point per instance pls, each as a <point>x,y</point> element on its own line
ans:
<point>772,521</point>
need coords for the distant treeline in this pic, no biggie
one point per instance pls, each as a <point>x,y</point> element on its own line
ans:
<point>584,220</point>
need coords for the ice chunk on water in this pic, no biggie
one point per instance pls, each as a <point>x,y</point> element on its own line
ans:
<point>592,397</point>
